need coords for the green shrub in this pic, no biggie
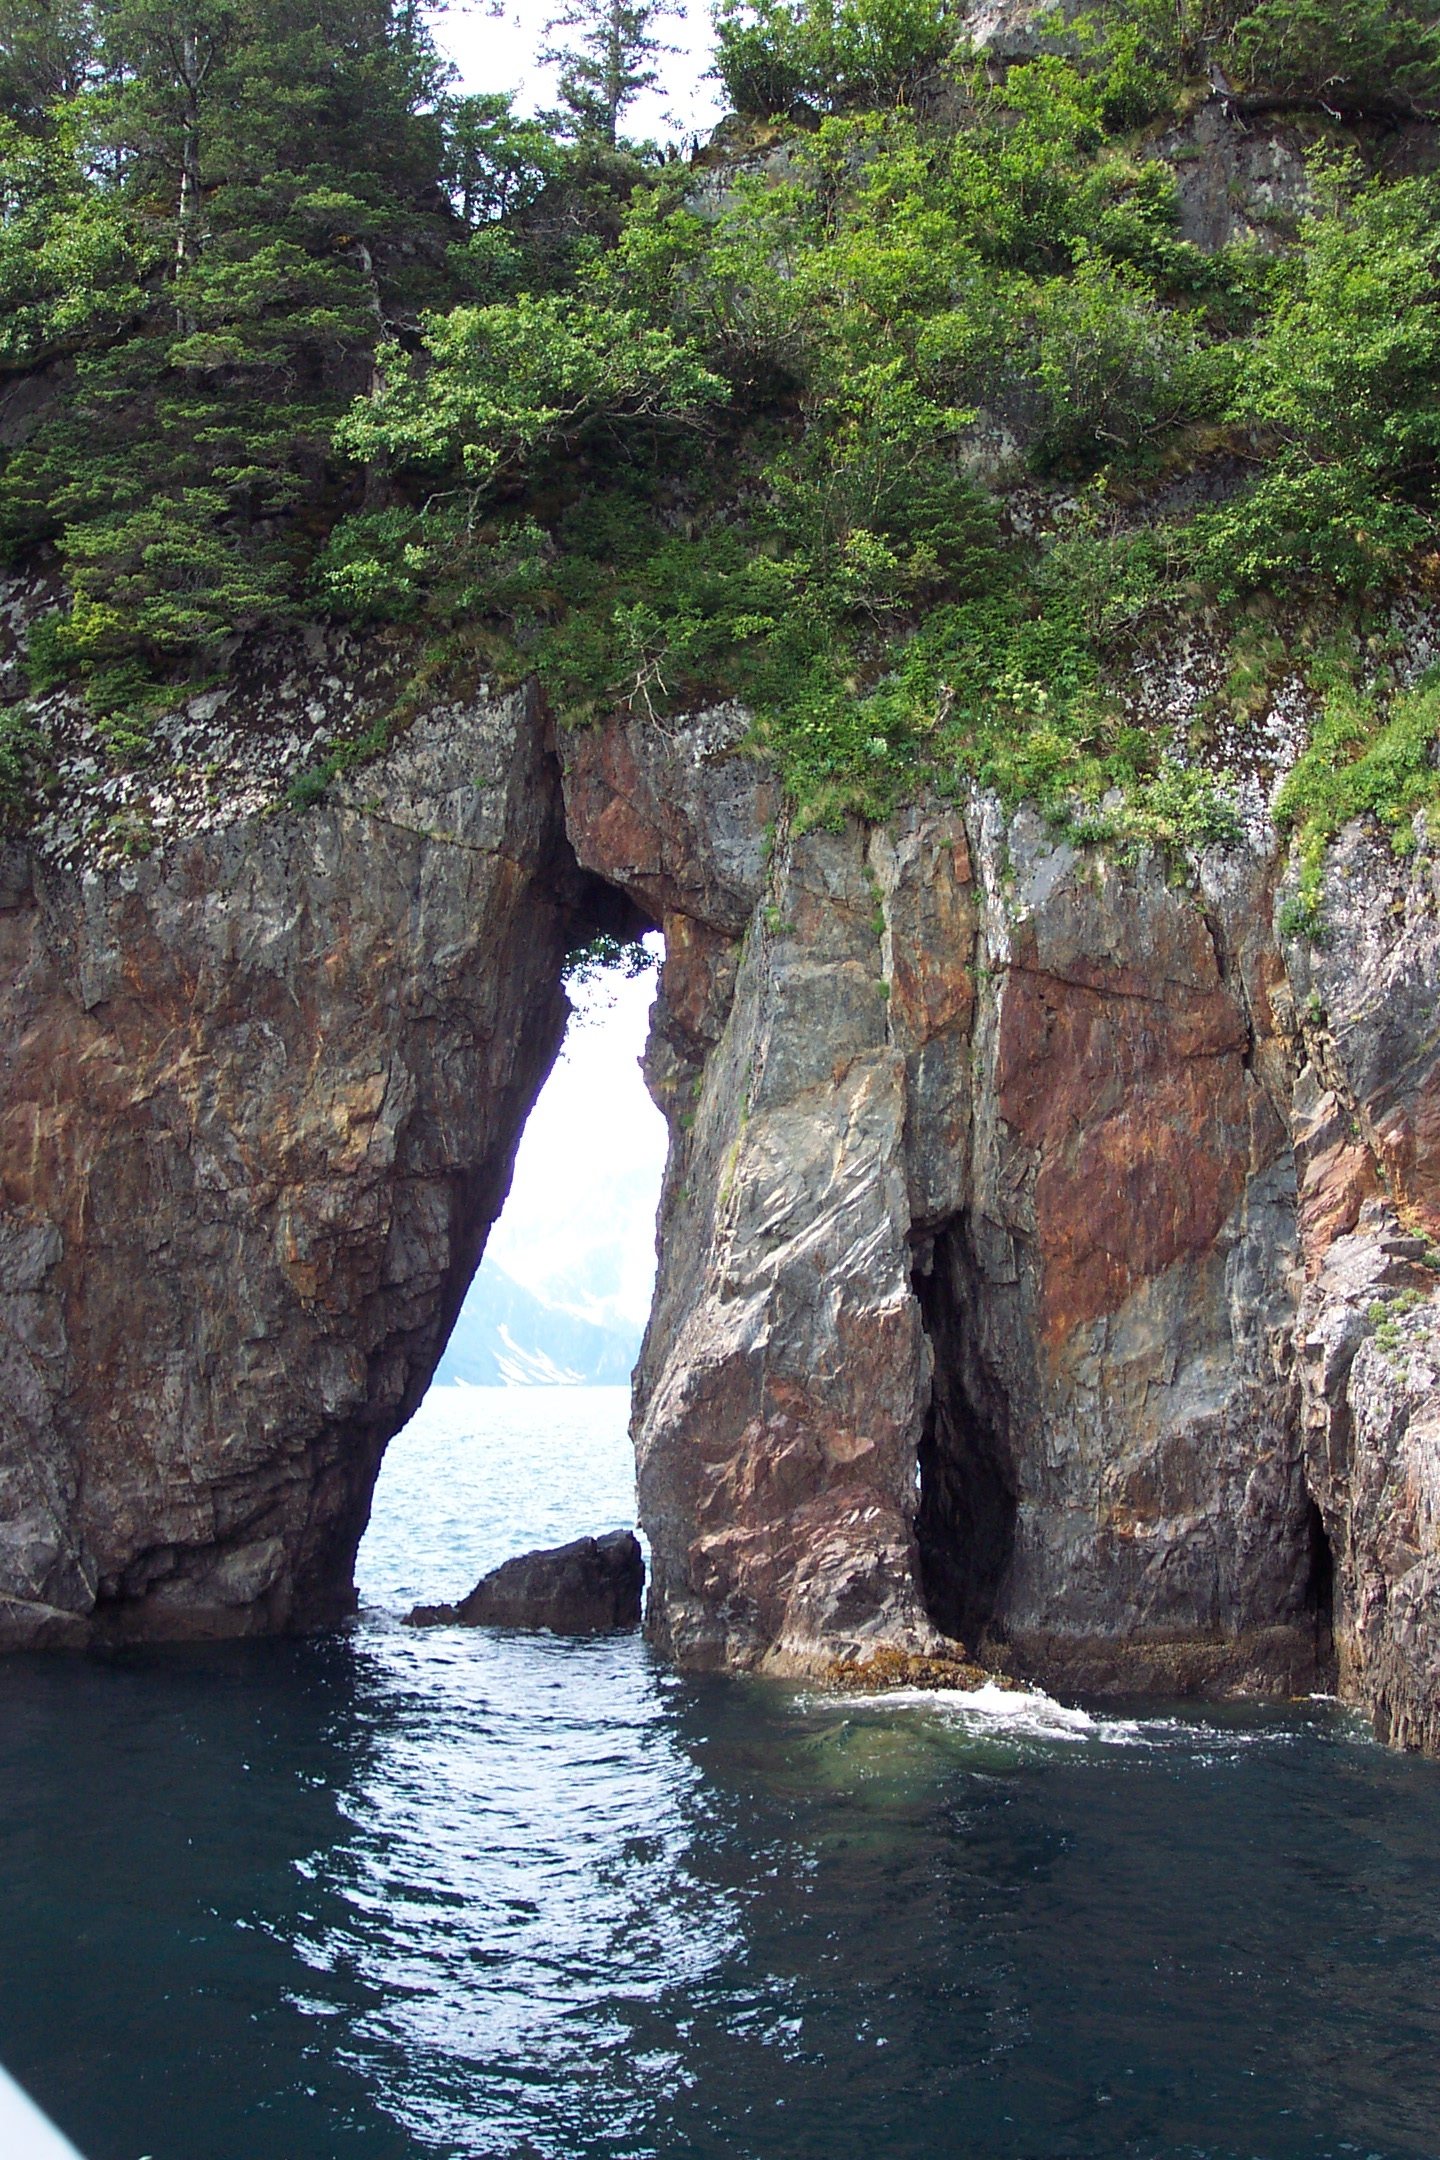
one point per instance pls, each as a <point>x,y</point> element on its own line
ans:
<point>503,382</point>
<point>1115,369</point>
<point>1371,752</point>
<point>1342,380</point>
<point>828,54</point>
<point>20,747</point>
<point>657,443</point>
<point>1384,54</point>
<point>1380,53</point>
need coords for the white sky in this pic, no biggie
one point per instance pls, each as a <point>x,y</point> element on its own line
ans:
<point>579,1225</point>
<point>497,52</point>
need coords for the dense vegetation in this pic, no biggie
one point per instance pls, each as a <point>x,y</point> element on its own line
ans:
<point>910,418</point>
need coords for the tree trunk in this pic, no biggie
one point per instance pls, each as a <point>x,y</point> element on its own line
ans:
<point>187,229</point>
<point>614,72</point>
<point>377,468</point>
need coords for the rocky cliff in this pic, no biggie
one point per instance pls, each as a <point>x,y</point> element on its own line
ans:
<point>1045,1242</point>
<point>260,1091</point>
<point>979,1245</point>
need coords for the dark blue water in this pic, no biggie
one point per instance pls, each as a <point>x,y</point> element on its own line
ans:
<point>397,1894</point>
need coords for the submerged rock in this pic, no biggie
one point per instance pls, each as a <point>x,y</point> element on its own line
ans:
<point>590,1587</point>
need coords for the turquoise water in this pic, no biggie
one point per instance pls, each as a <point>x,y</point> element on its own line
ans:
<point>408,1894</point>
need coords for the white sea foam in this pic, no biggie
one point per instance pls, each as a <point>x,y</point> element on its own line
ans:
<point>997,1713</point>
<point>994,1711</point>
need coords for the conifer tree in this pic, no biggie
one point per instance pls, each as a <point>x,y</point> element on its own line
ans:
<point>240,203</point>
<point>46,47</point>
<point>607,61</point>
<point>495,161</point>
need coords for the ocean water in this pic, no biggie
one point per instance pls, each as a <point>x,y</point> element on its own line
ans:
<point>394,1894</point>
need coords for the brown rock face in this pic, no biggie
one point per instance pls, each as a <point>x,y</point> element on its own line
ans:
<point>259,1101</point>
<point>1118,1285</point>
<point>998,1176</point>
<point>592,1586</point>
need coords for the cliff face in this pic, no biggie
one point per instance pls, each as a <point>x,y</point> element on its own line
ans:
<point>1024,1218</point>
<point>1024,1243</point>
<point>1367,1129</point>
<point>260,1093</point>
<point>978,1256</point>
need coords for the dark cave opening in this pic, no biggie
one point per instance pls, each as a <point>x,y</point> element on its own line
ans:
<point>1320,1586</point>
<point>965,1519</point>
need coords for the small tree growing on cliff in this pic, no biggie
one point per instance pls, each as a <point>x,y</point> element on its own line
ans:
<point>607,61</point>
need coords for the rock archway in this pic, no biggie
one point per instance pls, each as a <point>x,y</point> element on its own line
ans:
<point>261,1098</point>
<point>997,1173</point>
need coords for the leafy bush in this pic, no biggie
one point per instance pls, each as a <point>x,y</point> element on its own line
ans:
<point>1379,53</point>
<point>776,438</point>
<point>773,55</point>
<point>503,382</point>
<point>1114,368</point>
<point>20,745</point>
<point>1342,379</point>
<point>828,555</point>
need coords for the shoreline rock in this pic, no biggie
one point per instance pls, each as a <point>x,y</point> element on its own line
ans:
<point>591,1586</point>
<point>1049,1249</point>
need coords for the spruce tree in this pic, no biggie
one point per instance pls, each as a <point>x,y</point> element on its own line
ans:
<point>46,49</point>
<point>261,194</point>
<point>607,61</point>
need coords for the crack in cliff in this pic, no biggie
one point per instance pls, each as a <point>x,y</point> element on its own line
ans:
<point>1232,980</point>
<point>1320,1590</point>
<point>965,1520</point>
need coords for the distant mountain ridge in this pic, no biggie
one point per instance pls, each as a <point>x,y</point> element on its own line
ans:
<point>506,1336</point>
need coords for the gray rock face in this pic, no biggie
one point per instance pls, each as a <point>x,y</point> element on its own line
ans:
<point>260,1094</point>
<point>786,1372</point>
<point>1045,1249</point>
<point>1370,1342</point>
<point>976,1286</point>
<point>1367,1131</point>
<point>590,1587</point>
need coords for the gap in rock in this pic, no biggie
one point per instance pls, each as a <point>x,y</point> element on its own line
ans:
<point>1320,1589</point>
<point>965,1521</point>
<point>522,1439</point>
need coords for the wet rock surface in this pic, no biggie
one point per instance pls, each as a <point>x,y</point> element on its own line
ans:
<point>592,1586</point>
<point>1046,1278</point>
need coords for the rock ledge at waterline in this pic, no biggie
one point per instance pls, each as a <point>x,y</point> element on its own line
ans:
<point>1024,1233</point>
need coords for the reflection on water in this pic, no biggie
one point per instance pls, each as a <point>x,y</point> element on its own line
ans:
<point>547,1769</point>
<point>397,1894</point>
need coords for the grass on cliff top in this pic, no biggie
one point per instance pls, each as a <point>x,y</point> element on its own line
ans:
<point>1375,752</point>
